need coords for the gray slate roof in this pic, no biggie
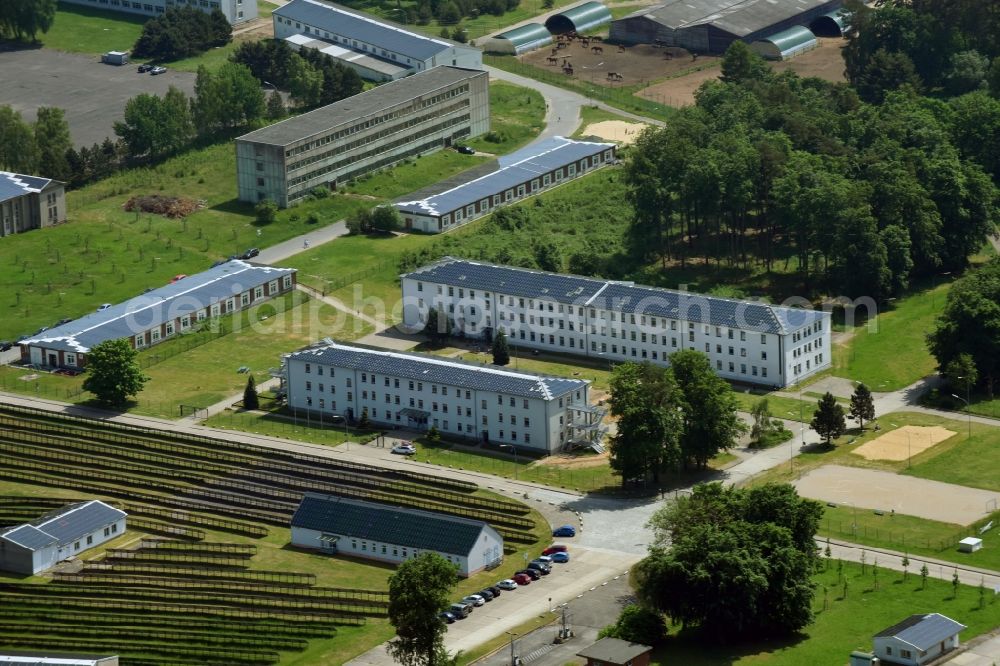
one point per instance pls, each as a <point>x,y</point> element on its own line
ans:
<point>14,185</point>
<point>336,19</point>
<point>64,525</point>
<point>737,17</point>
<point>184,297</point>
<point>362,105</point>
<point>371,521</point>
<point>514,169</point>
<point>614,651</point>
<point>923,631</point>
<point>434,369</point>
<point>621,296</point>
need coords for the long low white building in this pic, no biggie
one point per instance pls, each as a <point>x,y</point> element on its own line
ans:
<point>747,341</point>
<point>462,400</point>
<point>393,534</point>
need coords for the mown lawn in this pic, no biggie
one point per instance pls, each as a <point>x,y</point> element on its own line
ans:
<point>843,624</point>
<point>517,115</point>
<point>966,461</point>
<point>781,407</point>
<point>80,29</point>
<point>280,425</point>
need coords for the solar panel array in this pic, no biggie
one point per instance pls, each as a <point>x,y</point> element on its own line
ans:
<point>14,185</point>
<point>923,631</point>
<point>370,521</point>
<point>29,537</point>
<point>437,370</point>
<point>624,297</point>
<point>65,525</point>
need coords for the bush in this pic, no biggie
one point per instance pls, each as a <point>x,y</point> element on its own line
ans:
<point>266,211</point>
<point>637,624</point>
<point>182,33</point>
<point>319,192</point>
<point>434,435</point>
<point>313,218</point>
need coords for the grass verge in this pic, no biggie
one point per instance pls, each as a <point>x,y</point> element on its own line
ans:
<point>517,115</point>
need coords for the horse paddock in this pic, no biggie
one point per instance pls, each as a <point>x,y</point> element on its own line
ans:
<point>609,65</point>
<point>888,491</point>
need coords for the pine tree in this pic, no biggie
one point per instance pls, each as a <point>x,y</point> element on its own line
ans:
<point>862,406</point>
<point>828,419</point>
<point>250,398</point>
<point>363,422</point>
<point>275,106</point>
<point>501,353</point>
<point>923,576</point>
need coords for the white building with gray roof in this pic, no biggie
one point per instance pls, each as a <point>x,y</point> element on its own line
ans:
<point>747,341</point>
<point>160,314</point>
<point>41,544</point>
<point>374,129</point>
<point>494,405</point>
<point>917,640</point>
<point>30,202</point>
<point>524,173</point>
<point>235,11</point>
<point>378,50</point>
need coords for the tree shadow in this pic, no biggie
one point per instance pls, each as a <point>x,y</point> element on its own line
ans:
<point>689,646</point>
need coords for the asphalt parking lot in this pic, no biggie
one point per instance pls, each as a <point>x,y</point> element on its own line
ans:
<point>92,94</point>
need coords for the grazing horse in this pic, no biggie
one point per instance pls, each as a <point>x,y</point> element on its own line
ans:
<point>552,60</point>
<point>568,70</point>
<point>596,49</point>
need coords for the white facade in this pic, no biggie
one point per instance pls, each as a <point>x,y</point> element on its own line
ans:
<point>461,400</point>
<point>893,650</point>
<point>620,322</point>
<point>917,640</point>
<point>376,50</point>
<point>236,11</point>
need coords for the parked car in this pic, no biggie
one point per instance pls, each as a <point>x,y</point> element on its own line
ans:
<point>447,617</point>
<point>404,449</point>
<point>158,70</point>
<point>522,579</point>
<point>544,558</point>
<point>104,306</point>
<point>142,69</point>
<point>507,584</point>
<point>562,557</point>
<point>495,589</point>
<point>542,567</point>
<point>5,345</point>
<point>250,254</point>
<point>178,278</point>
<point>564,531</point>
<point>465,150</point>
<point>474,599</point>
<point>533,574</point>
<point>460,610</point>
<point>41,330</point>
<point>486,593</point>
<point>64,320</point>
<point>555,548</point>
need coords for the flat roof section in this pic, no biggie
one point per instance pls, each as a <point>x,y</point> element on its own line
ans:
<point>514,169</point>
<point>347,55</point>
<point>362,105</point>
<point>334,18</point>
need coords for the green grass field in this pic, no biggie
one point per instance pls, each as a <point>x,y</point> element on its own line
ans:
<point>781,407</point>
<point>517,115</point>
<point>966,461</point>
<point>895,354</point>
<point>79,29</point>
<point>844,624</point>
<point>279,425</point>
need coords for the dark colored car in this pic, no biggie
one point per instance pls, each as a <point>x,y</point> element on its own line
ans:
<point>544,568</point>
<point>531,573</point>
<point>486,593</point>
<point>142,69</point>
<point>447,617</point>
<point>495,590</point>
<point>5,345</point>
<point>64,320</point>
<point>250,254</point>
<point>564,531</point>
<point>465,150</point>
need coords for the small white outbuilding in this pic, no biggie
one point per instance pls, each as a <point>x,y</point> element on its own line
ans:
<point>917,640</point>
<point>970,544</point>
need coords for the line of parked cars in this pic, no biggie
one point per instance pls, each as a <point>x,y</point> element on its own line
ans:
<point>152,69</point>
<point>541,566</point>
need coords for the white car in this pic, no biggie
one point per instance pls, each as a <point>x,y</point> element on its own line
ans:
<point>104,306</point>
<point>544,558</point>
<point>405,449</point>
<point>474,599</point>
<point>507,584</point>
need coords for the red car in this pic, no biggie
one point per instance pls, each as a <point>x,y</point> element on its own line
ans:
<point>178,278</point>
<point>522,579</point>
<point>554,548</point>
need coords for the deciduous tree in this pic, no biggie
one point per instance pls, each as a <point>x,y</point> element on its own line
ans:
<point>53,142</point>
<point>708,406</point>
<point>500,349</point>
<point>419,591</point>
<point>113,373</point>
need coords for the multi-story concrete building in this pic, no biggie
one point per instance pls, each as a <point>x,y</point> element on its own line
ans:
<point>462,400</point>
<point>376,50</point>
<point>374,129</point>
<point>30,202</point>
<point>747,341</point>
<point>160,314</point>
<point>523,173</point>
<point>236,11</point>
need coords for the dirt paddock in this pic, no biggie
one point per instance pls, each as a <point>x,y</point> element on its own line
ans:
<point>638,64</point>
<point>615,130</point>
<point>876,489</point>
<point>901,443</point>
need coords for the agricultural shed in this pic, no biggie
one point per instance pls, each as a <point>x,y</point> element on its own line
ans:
<point>831,24</point>
<point>393,534</point>
<point>33,547</point>
<point>786,44</point>
<point>578,19</point>
<point>519,40</point>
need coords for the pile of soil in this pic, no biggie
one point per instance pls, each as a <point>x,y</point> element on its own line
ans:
<point>173,207</point>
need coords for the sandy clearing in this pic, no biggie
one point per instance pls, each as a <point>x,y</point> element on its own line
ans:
<point>615,130</point>
<point>901,443</point>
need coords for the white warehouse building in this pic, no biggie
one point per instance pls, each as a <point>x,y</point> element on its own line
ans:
<point>376,50</point>
<point>393,534</point>
<point>746,341</point>
<point>494,405</point>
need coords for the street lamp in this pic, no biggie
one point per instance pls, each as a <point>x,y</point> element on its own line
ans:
<point>513,659</point>
<point>968,407</point>
<point>907,444</point>
<point>347,440</point>
<point>514,449</point>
